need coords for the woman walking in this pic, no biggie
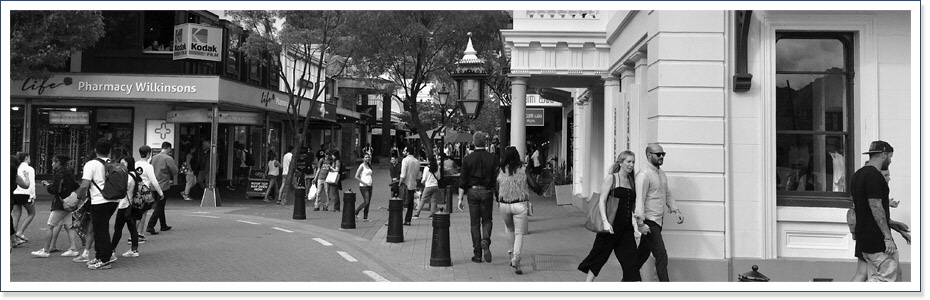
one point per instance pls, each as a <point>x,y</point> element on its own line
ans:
<point>333,189</point>
<point>363,175</point>
<point>124,211</point>
<point>513,196</point>
<point>322,194</point>
<point>63,184</point>
<point>430,182</point>
<point>24,197</point>
<point>619,239</point>
<point>16,181</point>
<point>272,171</point>
<point>189,177</point>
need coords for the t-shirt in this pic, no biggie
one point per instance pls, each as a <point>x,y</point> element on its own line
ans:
<point>130,187</point>
<point>165,169</point>
<point>868,182</point>
<point>365,173</point>
<point>96,172</point>
<point>148,175</point>
<point>28,174</point>
<point>286,163</point>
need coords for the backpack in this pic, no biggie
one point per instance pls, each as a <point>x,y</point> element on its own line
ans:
<point>249,160</point>
<point>142,197</point>
<point>114,183</point>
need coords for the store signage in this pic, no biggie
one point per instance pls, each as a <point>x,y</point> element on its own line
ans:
<point>189,116</point>
<point>535,117</point>
<point>537,100</point>
<point>378,131</point>
<point>189,88</point>
<point>158,132</point>
<point>69,117</point>
<point>238,117</point>
<point>196,41</point>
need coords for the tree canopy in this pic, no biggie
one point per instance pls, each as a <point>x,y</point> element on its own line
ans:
<point>44,39</point>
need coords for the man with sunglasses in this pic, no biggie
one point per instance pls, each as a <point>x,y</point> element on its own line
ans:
<point>652,199</point>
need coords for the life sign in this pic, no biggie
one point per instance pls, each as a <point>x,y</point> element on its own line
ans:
<point>196,41</point>
<point>535,117</point>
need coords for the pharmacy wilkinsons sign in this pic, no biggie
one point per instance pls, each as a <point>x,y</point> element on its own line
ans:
<point>195,41</point>
<point>93,86</point>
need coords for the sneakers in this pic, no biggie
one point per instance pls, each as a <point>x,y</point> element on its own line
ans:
<point>141,239</point>
<point>131,253</point>
<point>316,209</point>
<point>41,253</point>
<point>151,231</point>
<point>70,253</point>
<point>366,220</point>
<point>166,228</point>
<point>186,196</point>
<point>485,247</point>
<point>99,265</point>
<point>83,258</point>
<point>93,261</point>
<point>416,217</point>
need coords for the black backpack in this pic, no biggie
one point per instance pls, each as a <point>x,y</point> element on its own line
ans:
<point>115,180</point>
<point>249,160</point>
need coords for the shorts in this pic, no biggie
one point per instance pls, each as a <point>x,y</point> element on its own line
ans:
<point>60,217</point>
<point>19,199</point>
<point>883,267</point>
<point>243,171</point>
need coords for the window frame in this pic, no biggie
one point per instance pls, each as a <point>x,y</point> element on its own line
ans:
<point>824,198</point>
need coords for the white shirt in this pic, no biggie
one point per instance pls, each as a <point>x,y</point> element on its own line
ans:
<point>130,185</point>
<point>536,161</point>
<point>95,171</point>
<point>273,169</point>
<point>364,172</point>
<point>148,175</point>
<point>430,179</point>
<point>29,174</point>
<point>286,163</point>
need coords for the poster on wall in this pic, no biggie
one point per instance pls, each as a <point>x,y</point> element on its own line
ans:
<point>157,132</point>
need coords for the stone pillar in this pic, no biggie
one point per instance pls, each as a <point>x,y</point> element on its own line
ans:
<point>518,114</point>
<point>613,143</point>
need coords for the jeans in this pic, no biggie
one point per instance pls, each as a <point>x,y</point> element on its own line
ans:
<point>515,221</point>
<point>333,192</point>
<point>479,213</point>
<point>158,214</point>
<point>408,201</point>
<point>366,200</point>
<point>429,193</point>
<point>123,218</point>
<point>653,243</point>
<point>322,195</point>
<point>100,216</point>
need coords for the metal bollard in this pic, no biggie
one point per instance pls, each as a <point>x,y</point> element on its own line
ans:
<point>440,255</point>
<point>348,210</point>
<point>300,204</point>
<point>395,232</point>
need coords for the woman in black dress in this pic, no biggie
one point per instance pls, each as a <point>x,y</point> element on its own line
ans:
<point>620,184</point>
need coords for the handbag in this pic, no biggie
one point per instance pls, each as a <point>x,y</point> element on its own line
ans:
<point>529,208</point>
<point>71,202</point>
<point>593,221</point>
<point>332,177</point>
<point>311,192</point>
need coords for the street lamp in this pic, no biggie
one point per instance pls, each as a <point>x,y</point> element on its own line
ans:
<point>470,74</point>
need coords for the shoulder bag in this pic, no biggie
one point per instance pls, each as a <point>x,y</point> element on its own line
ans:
<point>593,221</point>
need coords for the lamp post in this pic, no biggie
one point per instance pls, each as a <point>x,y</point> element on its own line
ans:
<point>469,75</point>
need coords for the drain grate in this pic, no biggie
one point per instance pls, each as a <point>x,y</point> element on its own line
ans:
<point>549,262</point>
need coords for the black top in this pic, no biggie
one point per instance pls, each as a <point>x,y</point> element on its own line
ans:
<point>867,183</point>
<point>395,172</point>
<point>479,168</point>
<point>62,185</point>
<point>627,198</point>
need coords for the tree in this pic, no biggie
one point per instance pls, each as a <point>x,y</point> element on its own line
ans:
<point>44,39</point>
<point>301,37</point>
<point>414,48</point>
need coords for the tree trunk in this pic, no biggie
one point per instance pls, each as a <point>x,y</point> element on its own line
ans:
<point>386,136</point>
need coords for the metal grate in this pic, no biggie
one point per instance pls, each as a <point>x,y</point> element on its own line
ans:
<point>550,262</point>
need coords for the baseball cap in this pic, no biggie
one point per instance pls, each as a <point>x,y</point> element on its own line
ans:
<point>879,147</point>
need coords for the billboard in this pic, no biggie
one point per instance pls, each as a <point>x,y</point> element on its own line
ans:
<point>195,41</point>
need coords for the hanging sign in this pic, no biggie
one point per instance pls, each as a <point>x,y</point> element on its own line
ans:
<point>535,117</point>
<point>196,41</point>
<point>158,132</point>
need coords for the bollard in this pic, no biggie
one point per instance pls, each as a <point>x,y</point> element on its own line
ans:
<point>395,232</point>
<point>348,210</point>
<point>440,255</point>
<point>300,204</point>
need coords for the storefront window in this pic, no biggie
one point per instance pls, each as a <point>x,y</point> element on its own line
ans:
<point>17,117</point>
<point>813,118</point>
<point>159,32</point>
<point>62,131</point>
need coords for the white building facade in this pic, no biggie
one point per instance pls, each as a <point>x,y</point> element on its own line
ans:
<point>760,174</point>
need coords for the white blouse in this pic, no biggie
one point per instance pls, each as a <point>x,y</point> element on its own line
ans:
<point>364,175</point>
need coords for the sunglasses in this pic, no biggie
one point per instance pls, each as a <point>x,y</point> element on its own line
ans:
<point>659,154</point>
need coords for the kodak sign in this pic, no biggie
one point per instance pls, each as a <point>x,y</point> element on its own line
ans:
<point>196,41</point>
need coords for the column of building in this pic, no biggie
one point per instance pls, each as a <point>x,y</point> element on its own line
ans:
<point>518,114</point>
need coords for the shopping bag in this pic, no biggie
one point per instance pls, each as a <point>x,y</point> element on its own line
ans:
<point>71,202</point>
<point>332,177</point>
<point>311,192</point>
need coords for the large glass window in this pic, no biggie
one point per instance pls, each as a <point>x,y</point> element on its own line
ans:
<point>159,32</point>
<point>814,81</point>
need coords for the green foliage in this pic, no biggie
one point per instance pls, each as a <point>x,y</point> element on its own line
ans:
<point>561,173</point>
<point>40,40</point>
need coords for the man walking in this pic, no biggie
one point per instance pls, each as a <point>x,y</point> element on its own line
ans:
<point>101,209</point>
<point>285,169</point>
<point>870,191</point>
<point>652,199</point>
<point>165,169</point>
<point>479,180</point>
<point>409,176</point>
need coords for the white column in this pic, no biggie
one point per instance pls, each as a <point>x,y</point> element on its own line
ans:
<point>613,143</point>
<point>518,114</point>
<point>627,91</point>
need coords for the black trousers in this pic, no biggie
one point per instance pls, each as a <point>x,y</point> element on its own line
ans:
<point>653,243</point>
<point>100,216</point>
<point>158,213</point>
<point>124,217</point>
<point>623,245</point>
<point>408,202</point>
<point>480,209</point>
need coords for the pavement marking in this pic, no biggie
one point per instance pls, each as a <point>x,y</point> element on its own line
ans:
<point>375,276</point>
<point>201,212</point>
<point>281,229</point>
<point>322,242</point>
<point>347,256</point>
<point>247,222</point>
<point>199,216</point>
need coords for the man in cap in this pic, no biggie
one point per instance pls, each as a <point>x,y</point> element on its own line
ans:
<point>870,191</point>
